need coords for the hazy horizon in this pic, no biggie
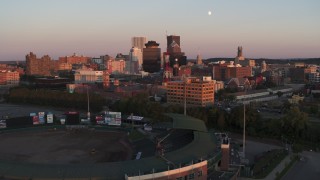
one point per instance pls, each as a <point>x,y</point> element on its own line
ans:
<point>265,29</point>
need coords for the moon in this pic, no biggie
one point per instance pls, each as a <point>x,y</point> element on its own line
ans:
<point>209,13</point>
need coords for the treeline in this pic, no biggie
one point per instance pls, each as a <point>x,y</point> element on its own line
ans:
<point>59,99</point>
<point>293,127</point>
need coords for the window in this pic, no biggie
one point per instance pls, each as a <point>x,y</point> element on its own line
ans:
<point>191,176</point>
<point>199,173</point>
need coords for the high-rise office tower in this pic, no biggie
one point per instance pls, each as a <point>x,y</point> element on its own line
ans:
<point>174,51</point>
<point>135,58</point>
<point>173,44</point>
<point>138,42</point>
<point>151,57</point>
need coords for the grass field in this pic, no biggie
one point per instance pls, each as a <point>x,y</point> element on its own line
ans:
<point>65,146</point>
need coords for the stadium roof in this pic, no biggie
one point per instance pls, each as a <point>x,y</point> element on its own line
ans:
<point>181,121</point>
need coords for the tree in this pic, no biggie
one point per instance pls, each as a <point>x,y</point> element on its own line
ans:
<point>279,93</point>
<point>294,123</point>
<point>221,121</point>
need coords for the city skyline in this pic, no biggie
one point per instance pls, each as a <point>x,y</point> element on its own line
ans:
<point>265,29</point>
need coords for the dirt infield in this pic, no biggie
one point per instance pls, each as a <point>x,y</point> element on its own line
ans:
<point>65,147</point>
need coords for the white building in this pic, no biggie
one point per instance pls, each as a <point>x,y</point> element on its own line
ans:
<point>139,42</point>
<point>262,95</point>
<point>314,77</point>
<point>88,76</point>
<point>135,57</point>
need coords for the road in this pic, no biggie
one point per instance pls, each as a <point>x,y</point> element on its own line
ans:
<point>307,168</point>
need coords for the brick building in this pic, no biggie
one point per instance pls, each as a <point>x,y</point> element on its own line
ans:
<point>198,92</point>
<point>44,66</point>
<point>223,72</point>
<point>75,59</point>
<point>9,78</point>
<point>115,66</point>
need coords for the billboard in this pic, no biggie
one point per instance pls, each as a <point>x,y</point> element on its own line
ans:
<point>3,124</point>
<point>41,117</point>
<point>135,118</point>
<point>100,120</point>
<point>113,118</point>
<point>72,118</point>
<point>49,118</point>
<point>35,118</point>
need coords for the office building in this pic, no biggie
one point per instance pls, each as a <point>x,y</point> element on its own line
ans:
<point>174,51</point>
<point>115,66</point>
<point>9,78</point>
<point>151,57</point>
<point>138,42</point>
<point>43,66</point>
<point>224,71</point>
<point>88,76</point>
<point>75,59</point>
<point>135,58</point>
<point>196,92</point>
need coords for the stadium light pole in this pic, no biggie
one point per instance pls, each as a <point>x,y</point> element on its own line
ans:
<point>244,130</point>
<point>88,114</point>
<point>185,99</point>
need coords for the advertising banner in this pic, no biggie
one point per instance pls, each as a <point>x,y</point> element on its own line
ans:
<point>41,117</point>
<point>72,118</point>
<point>49,118</point>
<point>35,118</point>
<point>135,118</point>
<point>100,120</point>
<point>113,118</point>
<point>3,124</point>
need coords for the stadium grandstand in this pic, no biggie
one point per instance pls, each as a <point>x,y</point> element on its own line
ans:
<point>184,150</point>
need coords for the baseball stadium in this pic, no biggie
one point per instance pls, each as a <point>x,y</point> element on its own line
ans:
<point>181,148</point>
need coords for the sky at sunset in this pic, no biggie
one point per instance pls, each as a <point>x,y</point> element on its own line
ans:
<point>264,28</point>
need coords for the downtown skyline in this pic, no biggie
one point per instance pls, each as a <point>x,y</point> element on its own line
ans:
<point>265,29</point>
